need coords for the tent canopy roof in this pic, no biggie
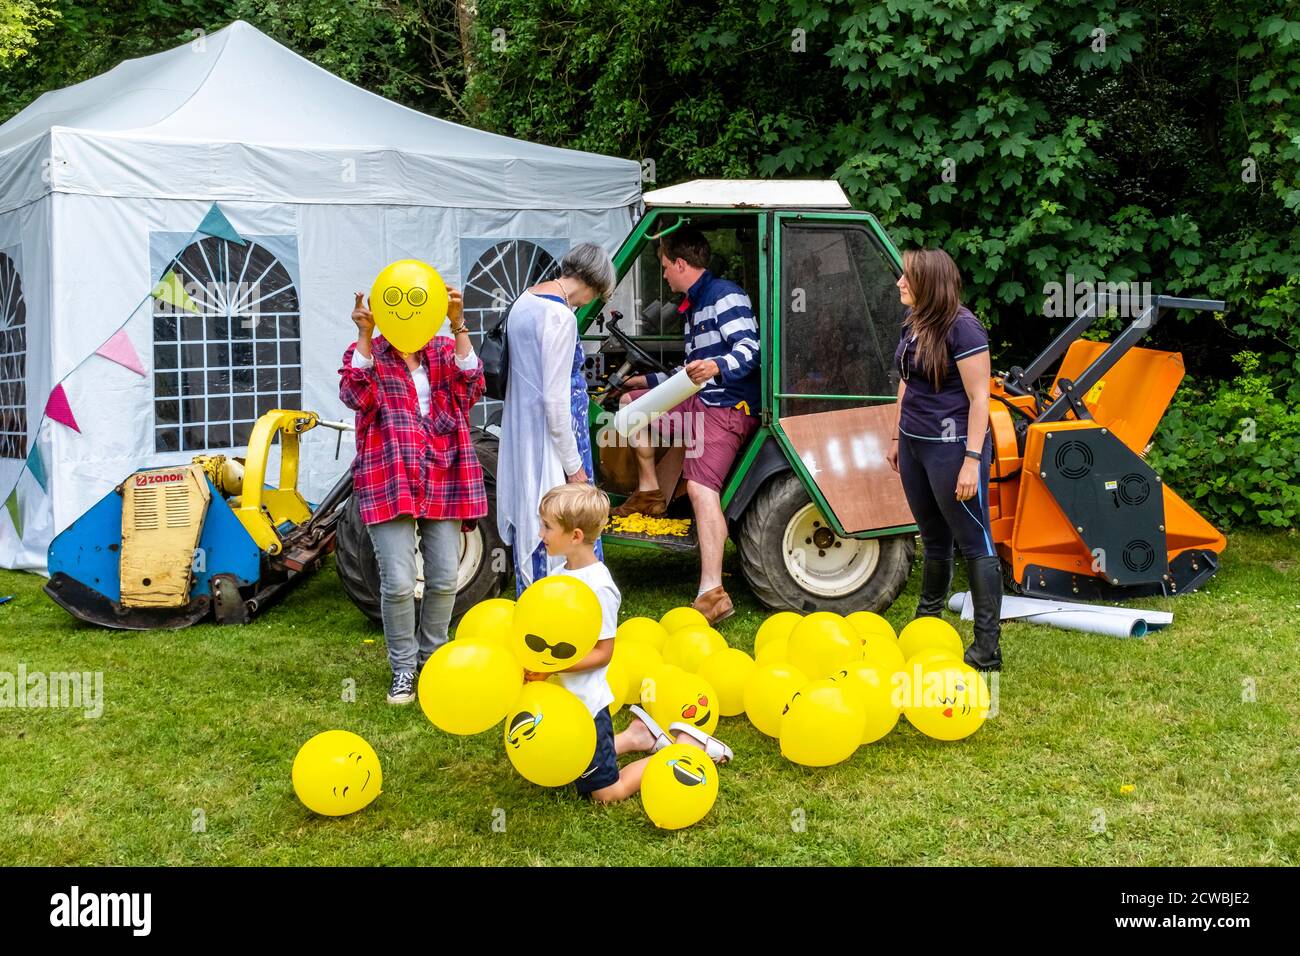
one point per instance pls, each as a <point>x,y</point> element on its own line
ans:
<point>239,86</point>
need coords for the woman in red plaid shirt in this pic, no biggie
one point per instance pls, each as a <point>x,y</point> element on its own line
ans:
<point>415,467</point>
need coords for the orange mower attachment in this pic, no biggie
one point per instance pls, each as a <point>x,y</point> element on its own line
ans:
<point>1076,511</point>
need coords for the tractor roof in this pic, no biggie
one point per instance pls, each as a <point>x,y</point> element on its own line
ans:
<point>759,193</point>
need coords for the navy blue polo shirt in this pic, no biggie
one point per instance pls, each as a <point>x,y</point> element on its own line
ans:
<point>927,410</point>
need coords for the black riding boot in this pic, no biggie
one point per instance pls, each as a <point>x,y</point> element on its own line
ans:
<point>936,575</point>
<point>986,596</point>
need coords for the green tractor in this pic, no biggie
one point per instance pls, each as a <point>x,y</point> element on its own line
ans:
<point>818,518</point>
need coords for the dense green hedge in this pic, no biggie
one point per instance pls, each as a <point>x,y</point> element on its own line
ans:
<point>1155,141</point>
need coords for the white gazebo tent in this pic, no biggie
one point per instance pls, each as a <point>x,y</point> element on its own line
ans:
<point>305,186</point>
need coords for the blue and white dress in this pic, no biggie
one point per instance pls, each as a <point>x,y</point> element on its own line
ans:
<point>544,430</point>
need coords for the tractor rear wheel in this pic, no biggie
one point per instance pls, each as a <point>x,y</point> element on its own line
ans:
<point>794,561</point>
<point>484,560</point>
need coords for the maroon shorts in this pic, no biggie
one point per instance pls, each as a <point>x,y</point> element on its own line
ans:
<point>712,436</point>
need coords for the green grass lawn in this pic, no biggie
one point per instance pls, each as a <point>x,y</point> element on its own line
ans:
<point>209,719</point>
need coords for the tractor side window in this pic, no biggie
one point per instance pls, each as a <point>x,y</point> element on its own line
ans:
<point>840,317</point>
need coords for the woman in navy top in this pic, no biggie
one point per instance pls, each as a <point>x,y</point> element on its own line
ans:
<point>944,448</point>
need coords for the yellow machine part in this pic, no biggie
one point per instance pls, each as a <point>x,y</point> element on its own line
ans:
<point>162,517</point>
<point>260,509</point>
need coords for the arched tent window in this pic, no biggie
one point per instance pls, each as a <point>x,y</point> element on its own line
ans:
<point>500,272</point>
<point>236,355</point>
<point>13,359</point>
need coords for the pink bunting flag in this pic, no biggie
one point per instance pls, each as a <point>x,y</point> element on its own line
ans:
<point>57,408</point>
<point>120,350</point>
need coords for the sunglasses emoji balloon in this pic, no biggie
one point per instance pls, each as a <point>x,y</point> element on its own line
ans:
<point>679,786</point>
<point>336,773</point>
<point>409,302</point>
<point>555,624</point>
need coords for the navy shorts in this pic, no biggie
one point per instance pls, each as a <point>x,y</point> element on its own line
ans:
<point>603,771</point>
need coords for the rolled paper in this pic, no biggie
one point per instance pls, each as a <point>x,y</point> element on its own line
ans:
<point>638,414</point>
<point>1071,616</point>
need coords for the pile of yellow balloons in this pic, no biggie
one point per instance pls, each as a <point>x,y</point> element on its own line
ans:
<point>824,684</point>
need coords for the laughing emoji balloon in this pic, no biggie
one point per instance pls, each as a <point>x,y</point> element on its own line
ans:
<point>409,302</point>
<point>679,786</point>
<point>336,773</point>
<point>550,737</point>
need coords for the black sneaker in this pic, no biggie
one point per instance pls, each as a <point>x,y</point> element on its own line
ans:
<point>403,689</point>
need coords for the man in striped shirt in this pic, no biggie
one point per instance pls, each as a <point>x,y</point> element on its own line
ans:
<point>722,354</point>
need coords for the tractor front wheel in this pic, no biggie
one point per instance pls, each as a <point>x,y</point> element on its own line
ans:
<point>794,561</point>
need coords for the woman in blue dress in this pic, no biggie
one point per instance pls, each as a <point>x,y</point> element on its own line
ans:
<point>545,437</point>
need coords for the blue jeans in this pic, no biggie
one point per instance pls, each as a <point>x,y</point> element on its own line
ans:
<point>394,543</point>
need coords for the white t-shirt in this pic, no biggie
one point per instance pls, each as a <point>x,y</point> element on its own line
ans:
<point>591,687</point>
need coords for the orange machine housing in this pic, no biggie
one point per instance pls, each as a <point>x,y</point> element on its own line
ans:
<point>1030,528</point>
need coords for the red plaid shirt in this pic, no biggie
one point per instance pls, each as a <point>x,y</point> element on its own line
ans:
<point>408,463</point>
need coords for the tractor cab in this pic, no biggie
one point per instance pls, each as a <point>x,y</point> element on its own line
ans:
<point>818,516</point>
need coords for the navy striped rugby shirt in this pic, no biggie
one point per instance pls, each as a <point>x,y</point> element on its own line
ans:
<point>720,326</point>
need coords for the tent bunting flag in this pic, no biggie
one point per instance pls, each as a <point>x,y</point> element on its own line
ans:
<point>57,408</point>
<point>171,289</point>
<point>15,515</point>
<point>216,224</point>
<point>36,465</point>
<point>120,350</point>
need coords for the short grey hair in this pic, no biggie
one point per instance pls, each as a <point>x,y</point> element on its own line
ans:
<point>591,265</point>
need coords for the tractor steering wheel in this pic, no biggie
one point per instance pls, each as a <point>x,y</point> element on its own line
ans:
<point>636,355</point>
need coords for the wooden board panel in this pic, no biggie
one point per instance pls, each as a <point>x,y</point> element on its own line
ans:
<point>845,450</point>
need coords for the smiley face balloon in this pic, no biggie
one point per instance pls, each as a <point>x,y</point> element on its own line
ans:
<point>949,701</point>
<point>555,624</point>
<point>409,302</point>
<point>679,786</point>
<point>336,773</point>
<point>550,737</point>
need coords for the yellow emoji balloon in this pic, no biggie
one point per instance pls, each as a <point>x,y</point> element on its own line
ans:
<point>775,651</point>
<point>550,737</point>
<point>679,787</point>
<point>882,653</point>
<point>675,695</point>
<point>680,617</point>
<point>778,625</point>
<point>729,671</point>
<point>767,693</point>
<point>487,621</point>
<point>867,623</point>
<point>643,629</point>
<point>949,701</point>
<point>336,773</point>
<point>555,624</point>
<point>926,633</point>
<point>409,302</point>
<point>467,686</point>
<point>822,643</point>
<point>822,724</point>
<point>876,689</point>
<point>635,659</point>
<point>687,646</point>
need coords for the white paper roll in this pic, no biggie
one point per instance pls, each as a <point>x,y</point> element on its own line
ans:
<point>1091,618</point>
<point>638,414</point>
